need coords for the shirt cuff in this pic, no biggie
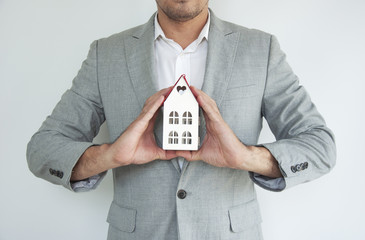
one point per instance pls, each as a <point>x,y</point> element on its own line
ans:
<point>271,184</point>
<point>88,184</point>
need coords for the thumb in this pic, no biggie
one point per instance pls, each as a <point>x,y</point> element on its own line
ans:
<point>166,155</point>
<point>189,155</point>
<point>151,123</point>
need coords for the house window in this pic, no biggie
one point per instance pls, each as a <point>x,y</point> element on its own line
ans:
<point>173,137</point>
<point>174,118</point>
<point>186,138</point>
<point>187,118</point>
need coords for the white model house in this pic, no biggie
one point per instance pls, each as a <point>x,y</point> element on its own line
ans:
<point>180,118</point>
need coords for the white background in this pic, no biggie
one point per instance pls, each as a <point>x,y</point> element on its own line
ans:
<point>42,45</point>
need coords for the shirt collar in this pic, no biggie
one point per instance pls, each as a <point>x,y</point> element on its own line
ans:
<point>203,34</point>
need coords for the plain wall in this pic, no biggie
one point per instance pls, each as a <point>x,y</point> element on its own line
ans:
<point>42,45</point>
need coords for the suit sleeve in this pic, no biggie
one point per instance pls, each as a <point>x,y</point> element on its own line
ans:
<point>304,147</point>
<point>65,135</point>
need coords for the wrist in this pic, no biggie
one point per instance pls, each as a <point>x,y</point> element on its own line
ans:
<point>259,160</point>
<point>108,155</point>
<point>93,161</point>
<point>248,158</point>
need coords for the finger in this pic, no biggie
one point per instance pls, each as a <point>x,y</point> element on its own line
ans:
<point>151,123</point>
<point>154,102</point>
<point>166,91</point>
<point>185,154</point>
<point>163,92</point>
<point>208,105</point>
<point>165,155</point>
<point>170,154</point>
<point>189,155</point>
<point>197,92</point>
<point>148,112</point>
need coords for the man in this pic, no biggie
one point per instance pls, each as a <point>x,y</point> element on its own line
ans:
<point>204,194</point>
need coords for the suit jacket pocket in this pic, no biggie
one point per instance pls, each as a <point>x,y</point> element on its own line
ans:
<point>244,216</point>
<point>122,218</point>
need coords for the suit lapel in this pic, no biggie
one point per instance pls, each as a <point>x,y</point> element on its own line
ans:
<point>140,54</point>
<point>139,49</point>
<point>140,61</point>
<point>222,48</point>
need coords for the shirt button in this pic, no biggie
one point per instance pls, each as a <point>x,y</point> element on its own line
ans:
<point>181,194</point>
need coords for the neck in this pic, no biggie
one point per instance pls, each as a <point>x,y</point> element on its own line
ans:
<point>184,33</point>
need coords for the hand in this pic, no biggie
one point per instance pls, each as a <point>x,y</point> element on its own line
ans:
<point>222,148</point>
<point>137,144</point>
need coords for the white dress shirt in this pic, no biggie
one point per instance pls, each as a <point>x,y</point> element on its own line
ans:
<point>172,61</point>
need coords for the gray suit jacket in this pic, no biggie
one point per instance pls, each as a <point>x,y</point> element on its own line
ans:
<point>248,77</point>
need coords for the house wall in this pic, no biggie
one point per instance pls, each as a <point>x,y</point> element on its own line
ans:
<point>181,104</point>
<point>43,43</point>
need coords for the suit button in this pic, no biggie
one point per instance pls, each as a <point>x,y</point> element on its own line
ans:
<point>299,167</point>
<point>305,165</point>
<point>181,194</point>
<point>60,174</point>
